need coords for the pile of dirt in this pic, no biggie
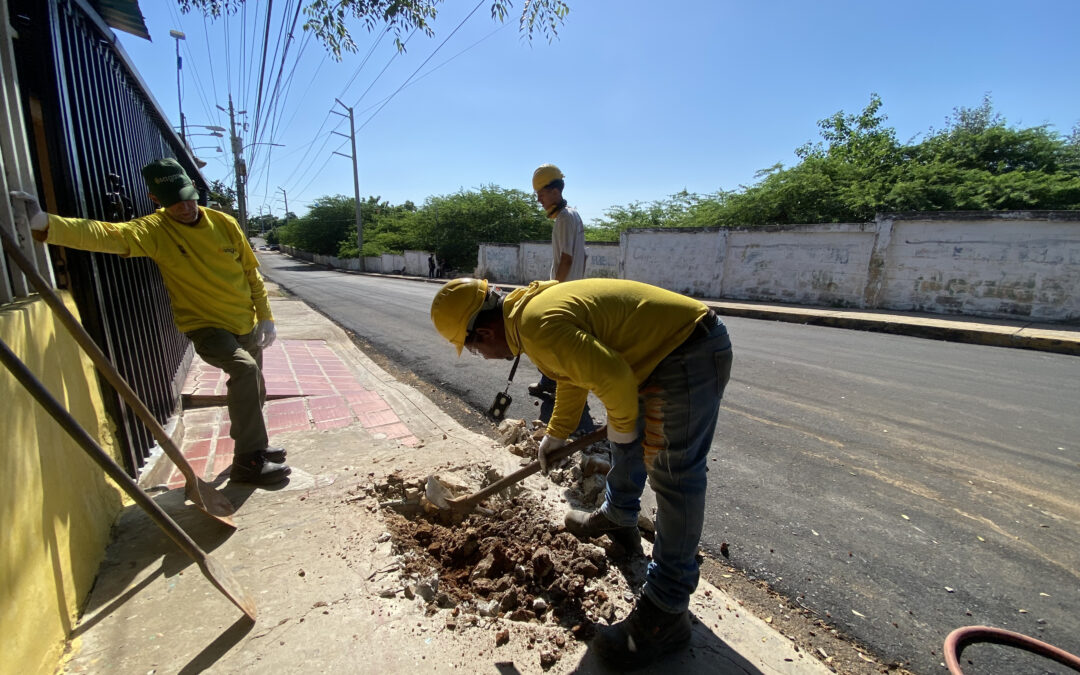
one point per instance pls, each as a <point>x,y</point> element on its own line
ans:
<point>513,564</point>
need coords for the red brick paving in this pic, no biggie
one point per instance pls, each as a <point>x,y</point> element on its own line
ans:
<point>308,387</point>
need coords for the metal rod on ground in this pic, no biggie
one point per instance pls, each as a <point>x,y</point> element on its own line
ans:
<point>211,569</point>
<point>201,493</point>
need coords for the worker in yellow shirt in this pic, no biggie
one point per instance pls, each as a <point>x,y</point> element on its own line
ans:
<point>216,293</point>
<point>659,362</point>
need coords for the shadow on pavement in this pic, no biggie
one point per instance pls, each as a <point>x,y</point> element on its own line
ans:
<point>219,647</point>
<point>138,543</point>
<point>707,655</point>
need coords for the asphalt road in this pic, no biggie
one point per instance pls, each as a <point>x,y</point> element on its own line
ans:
<point>902,487</point>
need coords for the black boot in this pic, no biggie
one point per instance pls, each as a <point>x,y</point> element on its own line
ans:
<point>644,636</point>
<point>589,525</point>
<point>254,468</point>
<point>275,455</point>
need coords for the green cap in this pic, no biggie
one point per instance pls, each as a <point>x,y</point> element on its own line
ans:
<point>168,182</point>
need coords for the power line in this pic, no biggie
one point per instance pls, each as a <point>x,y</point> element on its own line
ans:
<point>424,63</point>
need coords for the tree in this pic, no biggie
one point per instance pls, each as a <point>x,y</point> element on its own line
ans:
<point>455,225</point>
<point>329,220</point>
<point>858,168</point>
<point>327,19</point>
<point>223,195</point>
<point>977,162</point>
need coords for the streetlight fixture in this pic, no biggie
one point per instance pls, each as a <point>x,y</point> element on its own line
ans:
<point>178,36</point>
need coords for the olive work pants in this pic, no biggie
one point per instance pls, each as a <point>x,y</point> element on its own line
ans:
<point>241,360</point>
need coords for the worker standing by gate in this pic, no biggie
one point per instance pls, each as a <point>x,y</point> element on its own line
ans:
<point>215,291</point>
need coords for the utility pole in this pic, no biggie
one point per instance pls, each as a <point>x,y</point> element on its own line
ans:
<point>356,182</point>
<point>239,168</point>
<point>286,195</point>
<point>179,65</point>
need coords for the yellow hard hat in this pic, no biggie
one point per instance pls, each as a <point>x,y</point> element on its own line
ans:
<point>544,174</point>
<point>455,306</point>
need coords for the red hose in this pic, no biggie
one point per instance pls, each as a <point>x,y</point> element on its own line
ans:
<point>969,635</point>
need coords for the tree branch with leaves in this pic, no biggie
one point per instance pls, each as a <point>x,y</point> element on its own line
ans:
<point>328,19</point>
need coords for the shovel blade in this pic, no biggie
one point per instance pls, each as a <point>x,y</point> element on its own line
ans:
<point>210,501</point>
<point>437,493</point>
<point>223,580</point>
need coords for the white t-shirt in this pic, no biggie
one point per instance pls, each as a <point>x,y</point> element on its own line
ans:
<point>568,236</point>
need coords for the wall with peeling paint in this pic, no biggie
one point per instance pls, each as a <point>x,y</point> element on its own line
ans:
<point>990,264</point>
<point>819,265</point>
<point>1001,267</point>
<point>498,263</point>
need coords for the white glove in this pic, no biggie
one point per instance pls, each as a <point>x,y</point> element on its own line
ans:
<point>39,220</point>
<point>548,444</point>
<point>265,333</point>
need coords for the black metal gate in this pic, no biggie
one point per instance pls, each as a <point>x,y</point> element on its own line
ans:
<point>93,125</point>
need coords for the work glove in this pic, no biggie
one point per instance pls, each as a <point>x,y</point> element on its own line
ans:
<point>39,220</point>
<point>548,444</point>
<point>265,333</point>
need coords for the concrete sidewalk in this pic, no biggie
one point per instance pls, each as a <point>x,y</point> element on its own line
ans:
<point>317,554</point>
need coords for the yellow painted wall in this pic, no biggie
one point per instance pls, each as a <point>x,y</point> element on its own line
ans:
<point>56,505</point>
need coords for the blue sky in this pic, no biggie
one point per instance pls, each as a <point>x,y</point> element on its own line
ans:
<point>635,100</point>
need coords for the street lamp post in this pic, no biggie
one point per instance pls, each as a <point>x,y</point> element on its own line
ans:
<point>178,36</point>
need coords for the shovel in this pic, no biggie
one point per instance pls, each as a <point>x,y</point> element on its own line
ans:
<point>201,493</point>
<point>438,495</point>
<point>211,569</point>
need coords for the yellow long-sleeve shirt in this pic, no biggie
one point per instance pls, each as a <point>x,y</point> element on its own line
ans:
<point>600,335</point>
<point>209,269</point>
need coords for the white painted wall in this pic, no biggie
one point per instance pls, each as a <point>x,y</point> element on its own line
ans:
<point>535,261</point>
<point>498,263</point>
<point>416,263</point>
<point>816,265</point>
<point>999,267</point>
<point>391,262</point>
<point>603,260</point>
<point>996,264</point>
<point>681,260</point>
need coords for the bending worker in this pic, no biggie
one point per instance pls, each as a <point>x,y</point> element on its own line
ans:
<point>659,362</point>
<point>216,293</point>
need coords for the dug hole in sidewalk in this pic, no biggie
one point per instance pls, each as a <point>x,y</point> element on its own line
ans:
<point>343,581</point>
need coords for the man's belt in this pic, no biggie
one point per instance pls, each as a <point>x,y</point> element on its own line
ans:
<point>703,327</point>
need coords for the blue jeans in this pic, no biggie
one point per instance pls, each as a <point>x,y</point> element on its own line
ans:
<point>677,409</point>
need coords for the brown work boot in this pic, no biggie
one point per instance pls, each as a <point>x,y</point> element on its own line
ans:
<point>254,468</point>
<point>644,636</point>
<point>589,525</point>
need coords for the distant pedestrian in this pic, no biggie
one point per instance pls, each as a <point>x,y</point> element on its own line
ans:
<point>216,292</point>
<point>431,267</point>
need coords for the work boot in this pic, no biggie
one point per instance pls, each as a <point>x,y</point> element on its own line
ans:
<point>542,389</point>
<point>644,636</point>
<point>254,468</point>
<point>275,455</point>
<point>588,525</point>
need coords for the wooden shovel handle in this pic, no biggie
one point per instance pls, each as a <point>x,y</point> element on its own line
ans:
<point>97,356</point>
<point>531,468</point>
